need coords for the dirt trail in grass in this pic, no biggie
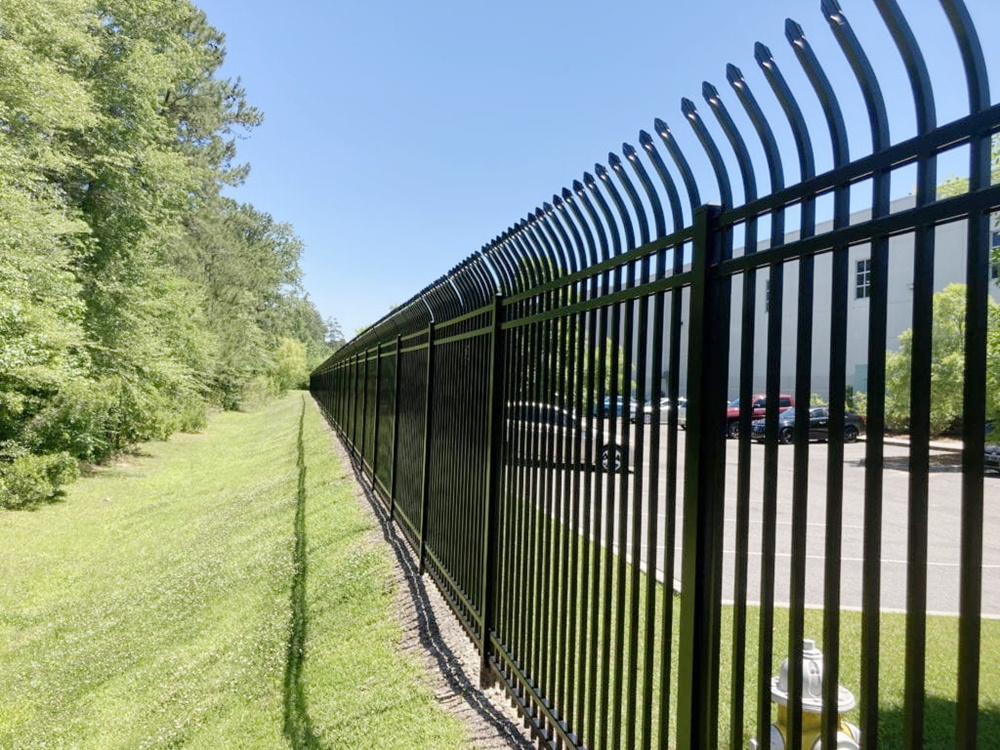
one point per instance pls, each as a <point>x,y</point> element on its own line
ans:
<point>433,634</point>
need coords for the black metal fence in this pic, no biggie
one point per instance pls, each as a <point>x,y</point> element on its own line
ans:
<point>620,575</point>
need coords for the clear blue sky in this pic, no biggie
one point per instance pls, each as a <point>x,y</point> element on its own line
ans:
<point>400,137</point>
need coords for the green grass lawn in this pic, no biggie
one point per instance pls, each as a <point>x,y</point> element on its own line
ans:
<point>940,682</point>
<point>213,591</point>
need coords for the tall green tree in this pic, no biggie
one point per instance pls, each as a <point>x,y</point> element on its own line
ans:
<point>947,364</point>
<point>132,295</point>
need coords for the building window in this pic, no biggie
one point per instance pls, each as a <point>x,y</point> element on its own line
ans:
<point>863,285</point>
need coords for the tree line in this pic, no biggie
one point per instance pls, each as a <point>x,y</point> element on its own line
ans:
<point>134,296</point>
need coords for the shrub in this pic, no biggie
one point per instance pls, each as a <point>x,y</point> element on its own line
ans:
<point>27,479</point>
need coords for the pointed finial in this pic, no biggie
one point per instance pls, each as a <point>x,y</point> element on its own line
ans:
<point>688,108</point>
<point>831,9</point>
<point>602,173</point>
<point>629,152</point>
<point>793,32</point>
<point>660,127</point>
<point>762,54</point>
<point>734,75</point>
<point>709,91</point>
<point>588,178</point>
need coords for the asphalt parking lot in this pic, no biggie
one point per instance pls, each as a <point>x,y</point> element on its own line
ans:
<point>944,514</point>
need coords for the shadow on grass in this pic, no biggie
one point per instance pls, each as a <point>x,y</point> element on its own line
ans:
<point>939,725</point>
<point>429,632</point>
<point>298,726</point>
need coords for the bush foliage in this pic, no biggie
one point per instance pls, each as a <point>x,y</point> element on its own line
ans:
<point>133,295</point>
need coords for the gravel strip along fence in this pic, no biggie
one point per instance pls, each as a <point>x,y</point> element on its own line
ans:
<point>433,633</point>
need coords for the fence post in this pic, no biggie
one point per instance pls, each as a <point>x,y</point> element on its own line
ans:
<point>428,411</point>
<point>354,408</point>
<point>364,409</point>
<point>395,431</point>
<point>378,397</point>
<point>704,485</point>
<point>494,436</point>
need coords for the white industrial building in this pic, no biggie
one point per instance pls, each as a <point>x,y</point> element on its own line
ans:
<point>949,268</point>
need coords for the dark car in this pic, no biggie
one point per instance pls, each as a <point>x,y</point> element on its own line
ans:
<point>819,425</point>
<point>992,456</point>
<point>549,421</point>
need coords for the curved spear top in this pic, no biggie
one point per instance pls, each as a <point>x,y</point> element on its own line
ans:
<point>707,143</point>
<point>821,84</point>
<point>524,240</point>
<point>654,200</point>
<point>715,103</point>
<point>488,283</point>
<point>508,249</point>
<point>633,196</point>
<point>459,278</point>
<point>690,185</point>
<point>767,140</point>
<point>920,85</point>
<point>800,132</point>
<point>536,233</point>
<point>616,199</point>
<point>520,263</point>
<point>609,218</point>
<point>564,219</point>
<point>646,141</point>
<point>570,200</point>
<point>972,54</point>
<point>552,220</point>
<point>602,236</point>
<point>460,282</point>
<point>867,80</point>
<point>498,267</point>
<point>545,235</point>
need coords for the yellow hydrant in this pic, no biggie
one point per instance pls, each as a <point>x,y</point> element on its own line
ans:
<point>848,735</point>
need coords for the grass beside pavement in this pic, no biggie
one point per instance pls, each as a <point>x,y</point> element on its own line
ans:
<point>214,591</point>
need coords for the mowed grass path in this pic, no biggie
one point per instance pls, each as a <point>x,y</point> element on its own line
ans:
<point>216,591</point>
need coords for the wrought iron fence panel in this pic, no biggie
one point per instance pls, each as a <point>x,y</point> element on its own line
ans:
<point>548,422</point>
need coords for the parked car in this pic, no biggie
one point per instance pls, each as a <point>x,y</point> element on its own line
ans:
<point>618,407</point>
<point>819,425</point>
<point>759,405</point>
<point>649,413</point>
<point>992,457</point>
<point>550,420</point>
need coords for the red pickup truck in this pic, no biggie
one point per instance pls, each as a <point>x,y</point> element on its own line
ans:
<point>759,403</point>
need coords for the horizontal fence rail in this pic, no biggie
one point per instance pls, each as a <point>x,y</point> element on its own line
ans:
<point>549,426</point>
